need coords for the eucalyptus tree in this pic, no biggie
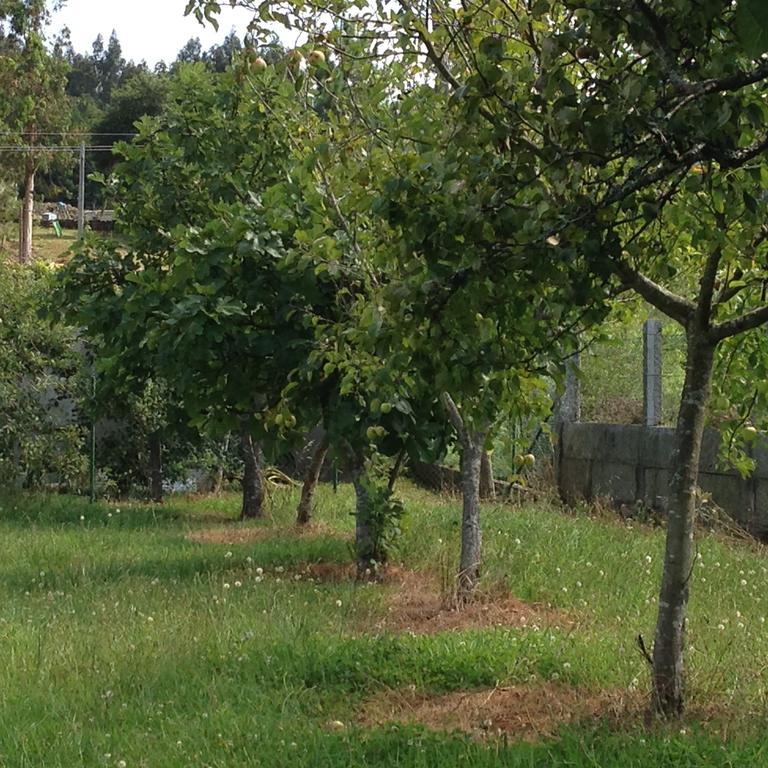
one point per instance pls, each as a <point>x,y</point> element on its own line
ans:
<point>628,134</point>
<point>34,102</point>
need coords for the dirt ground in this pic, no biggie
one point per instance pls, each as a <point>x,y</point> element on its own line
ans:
<point>531,711</point>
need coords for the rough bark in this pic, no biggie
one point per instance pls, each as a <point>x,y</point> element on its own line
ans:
<point>27,213</point>
<point>307,501</point>
<point>668,676</point>
<point>253,484</point>
<point>471,532</point>
<point>156,467</point>
<point>471,442</point>
<point>487,487</point>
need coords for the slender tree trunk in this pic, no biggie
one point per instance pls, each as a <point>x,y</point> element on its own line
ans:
<point>471,442</point>
<point>253,482</point>
<point>156,467</point>
<point>307,502</point>
<point>218,476</point>
<point>370,556</point>
<point>668,678</point>
<point>27,213</point>
<point>365,535</point>
<point>471,531</point>
<point>487,487</point>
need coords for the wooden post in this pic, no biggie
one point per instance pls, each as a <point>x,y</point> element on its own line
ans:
<point>81,194</point>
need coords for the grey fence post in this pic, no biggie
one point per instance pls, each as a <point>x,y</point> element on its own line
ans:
<point>570,402</point>
<point>566,411</point>
<point>652,401</point>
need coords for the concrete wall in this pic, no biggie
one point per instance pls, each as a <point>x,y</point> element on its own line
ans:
<point>630,463</point>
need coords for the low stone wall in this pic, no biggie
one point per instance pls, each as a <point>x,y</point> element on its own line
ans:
<point>631,463</point>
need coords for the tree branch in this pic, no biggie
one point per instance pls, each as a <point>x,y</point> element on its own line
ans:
<point>746,322</point>
<point>707,284</point>
<point>453,414</point>
<point>672,305</point>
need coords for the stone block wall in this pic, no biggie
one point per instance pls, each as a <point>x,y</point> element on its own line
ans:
<point>631,463</point>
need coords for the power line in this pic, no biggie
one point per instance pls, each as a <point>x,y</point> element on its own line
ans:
<point>64,133</point>
<point>52,148</point>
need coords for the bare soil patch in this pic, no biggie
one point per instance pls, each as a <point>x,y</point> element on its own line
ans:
<point>530,711</point>
<point>234,534</point>
<point>420,606</point>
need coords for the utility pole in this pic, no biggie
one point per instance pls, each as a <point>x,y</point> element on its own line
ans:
<point>81,194</point>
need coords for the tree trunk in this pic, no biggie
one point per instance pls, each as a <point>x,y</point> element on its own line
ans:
<point>156,467</point>
<point>368,553</point>
<point>253,485</point>
<point>365,535</point>
<point>217,481</point>
<point>471,532</point>
<point>668,680</point>
<point>487,487</point>
<point>471,442</point>
<point>27,213</point>
<point>307,502</point>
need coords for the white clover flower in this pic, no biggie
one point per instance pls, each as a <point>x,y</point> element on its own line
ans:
<point>259,571</point>
<point>743,582</point>
<point>226,585</point>
<point>338,603</point>
<point>648,558</point>
<point>721,627</point>
<point>228,554</point>
<point>238,583</point>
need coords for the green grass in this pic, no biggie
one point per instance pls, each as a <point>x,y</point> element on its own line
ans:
<point>46,246</point>
<point>124,640</point>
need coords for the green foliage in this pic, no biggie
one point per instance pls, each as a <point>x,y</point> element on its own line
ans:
<point>42,386</point>
<point>383,517</point>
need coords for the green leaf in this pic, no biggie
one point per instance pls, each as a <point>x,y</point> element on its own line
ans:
<point>752,26</point>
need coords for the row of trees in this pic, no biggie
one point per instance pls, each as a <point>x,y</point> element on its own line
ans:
<point>421,212</point>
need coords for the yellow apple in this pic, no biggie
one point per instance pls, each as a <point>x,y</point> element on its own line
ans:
<point>316,58</point>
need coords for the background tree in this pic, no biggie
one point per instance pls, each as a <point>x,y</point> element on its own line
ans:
<point>34,108</point>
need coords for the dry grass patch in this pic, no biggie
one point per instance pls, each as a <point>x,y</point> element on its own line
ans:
<point>531,711</point>
<point>420,605</point>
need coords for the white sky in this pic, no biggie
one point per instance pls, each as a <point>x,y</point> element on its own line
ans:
<point>152,30</point>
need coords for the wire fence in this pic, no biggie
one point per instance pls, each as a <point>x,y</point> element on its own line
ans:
<point>612,376</point>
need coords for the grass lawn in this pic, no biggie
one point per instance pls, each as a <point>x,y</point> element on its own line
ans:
<point>134,636</point>
<point>46,246</point>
